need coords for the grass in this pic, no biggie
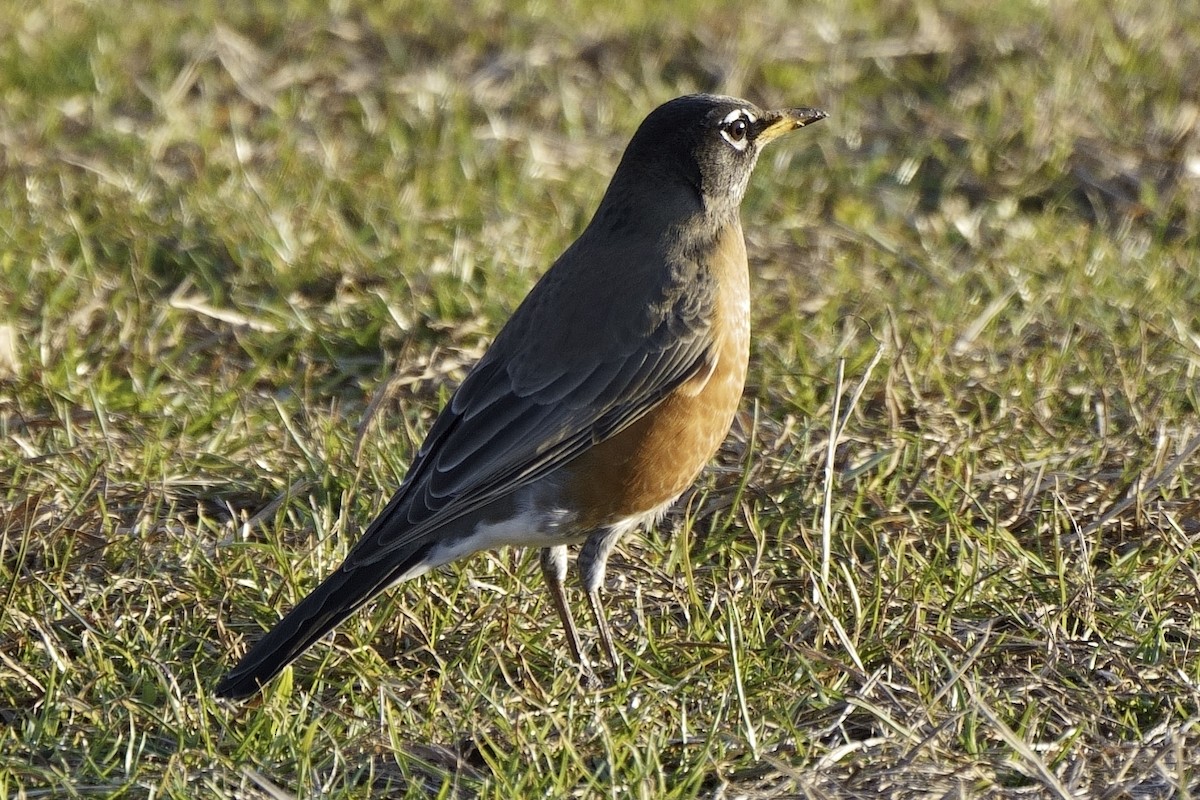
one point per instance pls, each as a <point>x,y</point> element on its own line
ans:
<point>246,253</point>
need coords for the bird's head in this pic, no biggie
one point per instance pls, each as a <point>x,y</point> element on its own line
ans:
<point>700,149</point>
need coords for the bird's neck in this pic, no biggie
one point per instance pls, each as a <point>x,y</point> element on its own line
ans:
<point>655,207</point>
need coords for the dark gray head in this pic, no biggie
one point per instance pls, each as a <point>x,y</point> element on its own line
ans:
<point>703,147</point>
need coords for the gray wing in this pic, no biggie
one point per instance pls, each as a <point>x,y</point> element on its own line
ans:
<point>570,369</point>
<point>589,352</point>
<point>513,420</point>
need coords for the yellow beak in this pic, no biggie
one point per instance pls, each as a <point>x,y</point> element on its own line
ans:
<point>787,120</point>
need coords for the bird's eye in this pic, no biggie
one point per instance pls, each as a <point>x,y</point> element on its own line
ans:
<point>736,130</point>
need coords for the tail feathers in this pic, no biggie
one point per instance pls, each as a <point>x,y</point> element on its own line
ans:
<point>339,596</point>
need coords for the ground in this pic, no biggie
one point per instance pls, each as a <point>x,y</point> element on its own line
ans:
<point>246,251</point>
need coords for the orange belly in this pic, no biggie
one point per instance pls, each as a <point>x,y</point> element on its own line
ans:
<point>657,458</point>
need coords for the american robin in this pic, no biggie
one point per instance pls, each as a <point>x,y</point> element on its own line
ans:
<point>600,400</point>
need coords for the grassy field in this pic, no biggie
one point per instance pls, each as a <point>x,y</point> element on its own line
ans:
<point>245,254</point>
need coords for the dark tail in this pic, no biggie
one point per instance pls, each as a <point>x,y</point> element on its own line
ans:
<point>339,596</point>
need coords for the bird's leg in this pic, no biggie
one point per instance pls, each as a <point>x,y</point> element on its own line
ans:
<point>554,570</point>
<point>606,641</point>
<point>593,562</point>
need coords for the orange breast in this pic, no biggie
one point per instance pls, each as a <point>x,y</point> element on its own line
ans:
<point>656,459</point>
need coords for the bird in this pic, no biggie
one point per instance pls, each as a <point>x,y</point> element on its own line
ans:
<point>597,404</point>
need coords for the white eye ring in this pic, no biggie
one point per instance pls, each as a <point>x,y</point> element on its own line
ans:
<point>735,128</point>
<point>739,112</point>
